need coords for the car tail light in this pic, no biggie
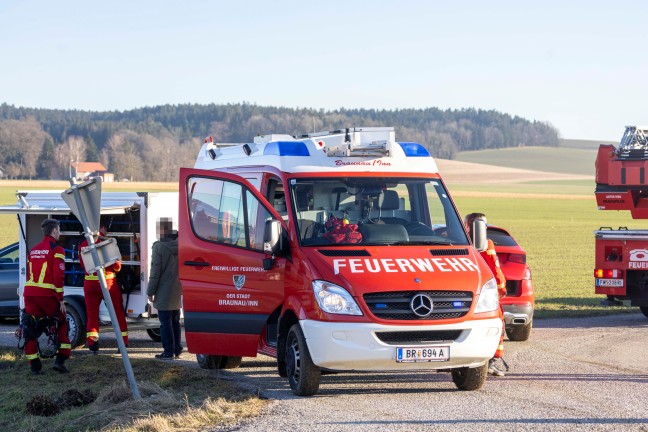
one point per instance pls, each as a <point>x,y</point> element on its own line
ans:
<point>517,258</point>
<point>527,274</point>
<point>608,273</point>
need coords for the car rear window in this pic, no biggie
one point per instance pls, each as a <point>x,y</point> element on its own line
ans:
<point>500,238</point>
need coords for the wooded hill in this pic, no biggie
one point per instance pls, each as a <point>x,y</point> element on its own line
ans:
<point>152,143</point>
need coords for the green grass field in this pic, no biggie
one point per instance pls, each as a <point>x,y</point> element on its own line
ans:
<point>555,229</point>
<point>557,235</point>
<point>553,159</point>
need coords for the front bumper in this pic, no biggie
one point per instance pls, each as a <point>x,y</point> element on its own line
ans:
<point>355,346</point>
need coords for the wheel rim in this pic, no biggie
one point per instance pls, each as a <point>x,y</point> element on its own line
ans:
<point>72,330</point>
<point>292,360</point>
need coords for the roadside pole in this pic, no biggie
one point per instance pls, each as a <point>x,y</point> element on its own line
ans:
<point>79,197</point>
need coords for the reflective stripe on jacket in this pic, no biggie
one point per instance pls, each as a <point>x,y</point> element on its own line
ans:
<point>46,270</point>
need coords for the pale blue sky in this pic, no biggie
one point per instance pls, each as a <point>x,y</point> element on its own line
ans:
<point>580,65</point>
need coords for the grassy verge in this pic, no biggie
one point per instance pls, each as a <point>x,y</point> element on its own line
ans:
<point>96,396</point>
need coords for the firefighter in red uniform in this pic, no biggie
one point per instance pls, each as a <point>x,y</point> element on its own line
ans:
<point>93,297</point>
<point>490,256</point>
<point>43,294</point>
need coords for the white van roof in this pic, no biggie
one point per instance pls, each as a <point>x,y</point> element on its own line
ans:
<point>366,149</point>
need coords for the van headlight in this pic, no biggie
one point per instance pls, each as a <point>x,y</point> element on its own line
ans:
<point>488,299</point>
<point>334,299</point>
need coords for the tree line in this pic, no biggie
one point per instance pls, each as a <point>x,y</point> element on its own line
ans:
<point>151,143</point>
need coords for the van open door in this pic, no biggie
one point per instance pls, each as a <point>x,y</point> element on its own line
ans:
<point>229,288</point>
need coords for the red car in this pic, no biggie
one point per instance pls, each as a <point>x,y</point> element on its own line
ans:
<point>519,301</point>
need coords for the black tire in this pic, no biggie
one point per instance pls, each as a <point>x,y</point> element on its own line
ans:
<point>519,333</point>
<point>281,368</point>
<point>644,310</point>
<point>207,361</point>
<point>303,375</point>
<point>154,334</point>
<point>229,362</point>
<point>469,379</point>
<point>76,324</point>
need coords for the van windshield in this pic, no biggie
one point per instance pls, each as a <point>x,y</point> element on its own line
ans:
<point>375,211</point>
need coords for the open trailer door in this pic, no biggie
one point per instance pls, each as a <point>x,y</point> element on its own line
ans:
<point>228,295</point>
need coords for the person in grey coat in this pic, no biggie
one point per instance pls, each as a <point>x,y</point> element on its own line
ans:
<point>164,288</point>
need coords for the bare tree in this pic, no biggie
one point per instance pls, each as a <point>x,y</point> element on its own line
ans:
<point>73,150</point>
<point>21,142</point>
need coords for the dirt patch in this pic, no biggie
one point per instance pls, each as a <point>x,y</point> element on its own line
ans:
<point>74,398</point>
<point>48,406</point>
<point>43,406</point>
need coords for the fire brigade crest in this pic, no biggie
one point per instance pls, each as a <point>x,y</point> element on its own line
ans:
<point>239,281</point>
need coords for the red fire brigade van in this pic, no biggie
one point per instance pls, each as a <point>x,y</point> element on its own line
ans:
<point>332,251</point>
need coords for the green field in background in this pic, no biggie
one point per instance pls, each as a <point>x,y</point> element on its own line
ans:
<point>558,237</point>
<point>557,234</point>
<point>547,187</point>
<point>553,159</point>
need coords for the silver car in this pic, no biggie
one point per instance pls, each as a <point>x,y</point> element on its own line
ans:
<point>9,306</point>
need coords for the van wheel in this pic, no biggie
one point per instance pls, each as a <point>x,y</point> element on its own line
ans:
<point>207,361</point>
<point>519,333</point>
<point>154,334</point>
<point>76,325</point>
<point>303,375</point>
<point>470,378</point>
<point>229,362</point>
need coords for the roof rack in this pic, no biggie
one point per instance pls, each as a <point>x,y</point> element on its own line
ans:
<point>356,141</point>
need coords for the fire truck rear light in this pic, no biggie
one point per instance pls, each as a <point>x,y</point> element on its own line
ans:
<point>517,258</point>
<point>608,273</point>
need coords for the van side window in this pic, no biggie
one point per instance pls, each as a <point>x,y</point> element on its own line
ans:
<point>217,211</point>
<point>257,217</point>
<point>277,197</point>
<point>226,212</point>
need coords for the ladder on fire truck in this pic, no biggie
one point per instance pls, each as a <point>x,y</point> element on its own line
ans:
<point>634,144</point>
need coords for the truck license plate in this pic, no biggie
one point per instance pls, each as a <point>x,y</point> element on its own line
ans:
<point>423,354</point>
<point>609,282</point>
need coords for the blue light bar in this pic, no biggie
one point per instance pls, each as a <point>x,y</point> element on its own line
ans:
<point>286,148</point>
<point>413,149</point>
<point>457,304</point>
<point>380,306</point>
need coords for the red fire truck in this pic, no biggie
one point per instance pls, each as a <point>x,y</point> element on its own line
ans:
<point>332,251</point>
<point>621,271</point>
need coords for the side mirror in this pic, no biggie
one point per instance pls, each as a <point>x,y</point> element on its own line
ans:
<point>273,242</point>
<point>272,237</point>
<point>479,235</point>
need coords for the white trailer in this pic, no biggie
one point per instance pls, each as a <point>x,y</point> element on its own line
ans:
<point>130,218</point>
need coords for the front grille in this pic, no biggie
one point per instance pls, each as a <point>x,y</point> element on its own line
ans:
<point>448,252</point>
<point>512,288</point>
<point>418,337</point>
<point>338,252</point>
<point>395,305</point>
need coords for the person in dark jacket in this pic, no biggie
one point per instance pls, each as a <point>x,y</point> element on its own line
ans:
<point>164,288</point>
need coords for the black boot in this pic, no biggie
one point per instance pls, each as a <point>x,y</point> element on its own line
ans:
<point>94,348</point>
<point>59,365</point>
<point>36,366</point>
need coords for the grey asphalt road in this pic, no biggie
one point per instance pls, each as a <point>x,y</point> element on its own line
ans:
<point>585,374</point>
